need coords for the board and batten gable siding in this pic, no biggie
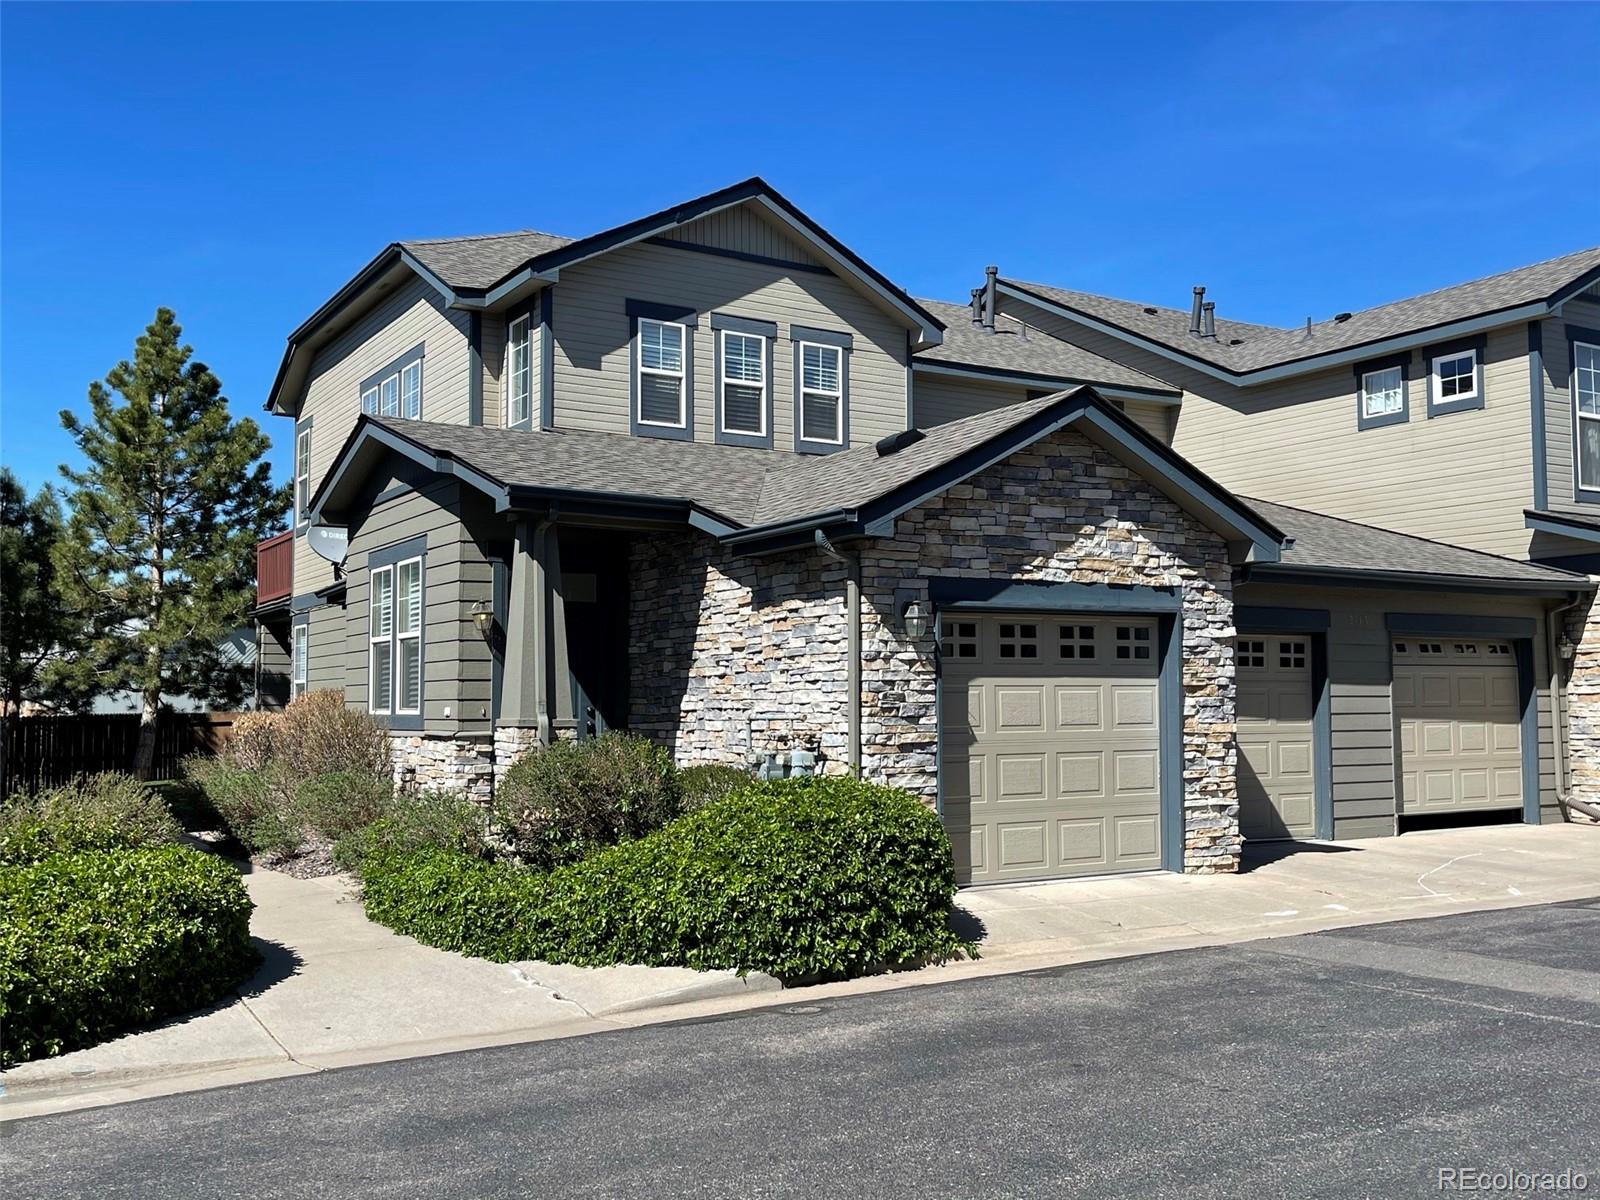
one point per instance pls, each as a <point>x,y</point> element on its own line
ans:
<point>744,231</point>
<point>455,656</point>
<point>1360,684</point>
<point>1461,477</point>
<point>1559,451</point>
<point>412,315</point>
<point>593,355</point>
<point>936,399</point>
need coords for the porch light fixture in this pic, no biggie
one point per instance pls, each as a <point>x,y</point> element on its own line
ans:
<point>916,620</point>
<point>483,617</point>
<point>1567,647</point>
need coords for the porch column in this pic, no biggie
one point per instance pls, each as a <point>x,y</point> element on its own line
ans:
<point>536,636</point>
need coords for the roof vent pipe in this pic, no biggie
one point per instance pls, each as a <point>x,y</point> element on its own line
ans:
<point>1194,310</point>
<point>990,274</point>
<point>1208,319</point>
<point>977,307</point>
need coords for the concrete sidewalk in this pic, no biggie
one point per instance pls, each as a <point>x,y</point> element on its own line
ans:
<point>337,990</point>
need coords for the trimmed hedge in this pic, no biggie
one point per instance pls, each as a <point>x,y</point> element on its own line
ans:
<point>95,943</point>
<point>803,879</point>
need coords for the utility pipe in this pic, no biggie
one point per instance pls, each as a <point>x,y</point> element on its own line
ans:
<point>1558,703</point>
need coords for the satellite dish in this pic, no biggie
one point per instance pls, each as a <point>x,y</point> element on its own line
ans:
<point>331,542</point>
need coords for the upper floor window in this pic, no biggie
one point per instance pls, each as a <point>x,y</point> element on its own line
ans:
<point>822,389</point>
<point>744,383</point>
<point>662,375</point>
<point>1383,393</point>
<point>1455,378</point>
<point>302,474</point>
<point>395,391</point>
<point>519,372</point>
<point>1586,415</point>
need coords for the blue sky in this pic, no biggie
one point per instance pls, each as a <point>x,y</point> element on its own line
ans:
<point>238,163</point>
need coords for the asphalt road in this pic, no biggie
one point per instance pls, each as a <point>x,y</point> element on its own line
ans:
<point>1349,1064</point>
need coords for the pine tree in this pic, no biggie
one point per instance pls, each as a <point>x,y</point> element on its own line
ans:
<point>34,627</point>
<point>159,554</point>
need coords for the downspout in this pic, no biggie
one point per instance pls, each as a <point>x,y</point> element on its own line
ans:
<point>852,606</point>
<point>1558,693</point>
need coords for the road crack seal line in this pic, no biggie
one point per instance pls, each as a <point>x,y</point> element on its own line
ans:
<point>1512,1012</point>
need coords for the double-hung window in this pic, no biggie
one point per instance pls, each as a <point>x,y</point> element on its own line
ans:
<point>302,475</point>
<point>395,391</point>
<point>519,372</point>
<point>744,383</point>
<point>1383,392</point>
<point>394,632</point>
<point>1455,378</point>
<point>299,658</point>
<point>821,394</point>
<point>662,395</point>
<point>1586,415</point>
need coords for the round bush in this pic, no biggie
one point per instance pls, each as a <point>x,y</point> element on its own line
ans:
<point>561,804</point>
<point>96,812</point>
<point>803,879</point>
<point>701,784</point>
<point>95,943</point>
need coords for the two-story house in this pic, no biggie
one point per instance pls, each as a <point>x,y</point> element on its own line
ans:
<point>712,477</point>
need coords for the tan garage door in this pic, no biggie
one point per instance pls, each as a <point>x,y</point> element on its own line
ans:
<point>1050,746</point>
<point>1277,791</point>
<point>1460,725</point>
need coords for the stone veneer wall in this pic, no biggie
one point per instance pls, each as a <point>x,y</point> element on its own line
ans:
<point>1583,704</point>
<point>734,655</point>
<point>424,761</point>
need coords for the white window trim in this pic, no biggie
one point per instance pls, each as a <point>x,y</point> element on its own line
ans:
<point>766,382</point>
<point>1367,394</point>
<point>1435,383</point>
<point>415,635</point>
<point>372,393</point>
<point>1579,417</point>
<point>404,371</point>
<point>836,395</point>
<point>299,657</point>
<point>511,416</point>
<point>302,475</point>
<point>383,403</point>
<point>375,640</point>
<point>680,375</point>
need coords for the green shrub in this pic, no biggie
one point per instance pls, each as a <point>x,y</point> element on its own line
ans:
<point>338,803</point>
<point>802,879</point>
<point>96,812</point>
<point>561,804</point>
<point>95,943</point>
<point>701,784</point>
<point>251,803</point>
<point>409,822</point>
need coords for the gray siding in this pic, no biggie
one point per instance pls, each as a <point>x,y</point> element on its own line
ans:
<point>1558,420</point>
<point>413,314</point>
<point>1365,747</point>
<point>1463,478</point>
<point>592,350</point>
<point>273,684</point>
<point>940,398</point>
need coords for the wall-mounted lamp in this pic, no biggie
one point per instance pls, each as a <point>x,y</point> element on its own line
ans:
<point>483,617</point>
<point>1567,647</point>
<point>916,620</point>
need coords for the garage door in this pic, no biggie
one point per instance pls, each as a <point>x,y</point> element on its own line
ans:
<point>1460,726</point>
<point>1277,790</point>
<point>1050,746</point>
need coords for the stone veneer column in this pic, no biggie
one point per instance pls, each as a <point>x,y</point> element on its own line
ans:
<point>1583,704</point>
<point>427,761</point>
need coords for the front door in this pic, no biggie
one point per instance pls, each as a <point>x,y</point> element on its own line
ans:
<point>594,588</point>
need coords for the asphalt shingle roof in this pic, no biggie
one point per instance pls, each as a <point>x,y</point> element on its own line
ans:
<point>1011,348</point>
<point>1321,541</point>
<point>1242,347</point>
<point>480,262</point>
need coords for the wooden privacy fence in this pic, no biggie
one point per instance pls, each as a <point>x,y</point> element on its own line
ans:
<point>46,751</point>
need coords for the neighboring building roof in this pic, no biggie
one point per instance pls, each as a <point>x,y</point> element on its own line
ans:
<point>1330,545</point>
<point>1015,349</point>
<point>744,494</point>
<point>1572,525</point>
<point>478,263</point>
<point>1241,348</point>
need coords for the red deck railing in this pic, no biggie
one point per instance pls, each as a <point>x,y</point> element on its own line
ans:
<point>275,567</point>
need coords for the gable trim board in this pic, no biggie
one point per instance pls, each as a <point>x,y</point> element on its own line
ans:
<point>1301,366</point>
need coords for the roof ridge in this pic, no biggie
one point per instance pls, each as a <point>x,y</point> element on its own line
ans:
<point>1415,537</point>
<point>482,237</point>
<point>1166,309</point>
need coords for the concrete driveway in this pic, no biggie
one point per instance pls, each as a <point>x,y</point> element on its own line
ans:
<point>338,990</point>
